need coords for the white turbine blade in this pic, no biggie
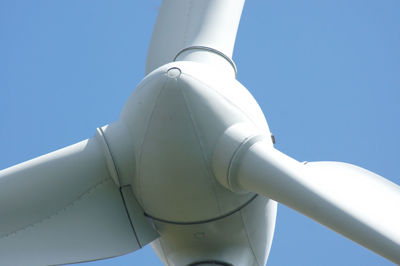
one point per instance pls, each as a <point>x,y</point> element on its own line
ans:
<point>194,25</point>
<point>62,208</point>
<point>352,201</point>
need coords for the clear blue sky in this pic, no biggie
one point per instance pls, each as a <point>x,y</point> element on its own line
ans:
<point>326,74</point>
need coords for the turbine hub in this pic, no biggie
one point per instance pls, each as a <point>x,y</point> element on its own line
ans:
<point>175,118</point>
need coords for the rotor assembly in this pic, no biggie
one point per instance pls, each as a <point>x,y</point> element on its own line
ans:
<point>189,167</point>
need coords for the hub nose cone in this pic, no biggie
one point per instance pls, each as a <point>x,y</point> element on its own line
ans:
<point>175,117</point>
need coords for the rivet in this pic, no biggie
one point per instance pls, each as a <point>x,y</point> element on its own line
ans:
<point>199,235</point>
<point>174,72</point>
